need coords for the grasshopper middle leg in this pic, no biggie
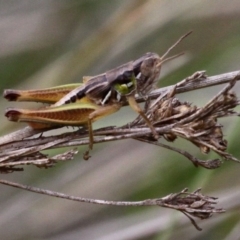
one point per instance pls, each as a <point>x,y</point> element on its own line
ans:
<point>99,113</point>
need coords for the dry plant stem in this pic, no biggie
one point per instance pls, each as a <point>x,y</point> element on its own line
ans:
<point>223,91</point>
<point>41,160</point>
<point>72,139</point>
<point>190,204</point>
<point>30,150</point>
<point>209,164</point>
<point>17,135</point>
<point>226,155</point>
<point>184,86</point>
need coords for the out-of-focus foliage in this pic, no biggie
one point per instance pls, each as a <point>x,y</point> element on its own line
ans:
<point>44,43</point>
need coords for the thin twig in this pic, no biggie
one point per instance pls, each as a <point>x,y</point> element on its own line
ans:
<point>209,164</point>
<point>194,204</point>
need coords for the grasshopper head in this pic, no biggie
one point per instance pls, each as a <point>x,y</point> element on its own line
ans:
<point>147,68</point>
<point>149,72</point>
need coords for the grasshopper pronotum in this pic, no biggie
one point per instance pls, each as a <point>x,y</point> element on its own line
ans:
<point>96,97</point>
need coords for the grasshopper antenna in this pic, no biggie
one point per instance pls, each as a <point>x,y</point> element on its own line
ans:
<point>170,58</point>
<point>175,44</point>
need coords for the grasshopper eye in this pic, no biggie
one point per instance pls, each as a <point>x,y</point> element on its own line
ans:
<point>148,66</point>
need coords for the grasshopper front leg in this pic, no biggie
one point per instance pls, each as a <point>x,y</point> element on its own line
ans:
<point>128,90</point>
<point>134,105</point>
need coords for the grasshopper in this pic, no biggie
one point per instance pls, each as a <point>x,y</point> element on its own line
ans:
<point>98,96</point>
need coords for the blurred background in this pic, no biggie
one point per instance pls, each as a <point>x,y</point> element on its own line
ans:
<point>45,43</point>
